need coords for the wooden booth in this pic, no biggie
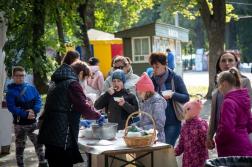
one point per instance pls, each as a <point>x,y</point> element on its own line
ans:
<point>139,42</point>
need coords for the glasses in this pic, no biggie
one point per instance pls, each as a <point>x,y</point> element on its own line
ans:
<point>119,67</point>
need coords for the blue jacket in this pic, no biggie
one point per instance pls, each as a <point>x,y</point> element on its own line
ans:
<point>181,95</point>
<point>18,104</point>
<point>170,61</point>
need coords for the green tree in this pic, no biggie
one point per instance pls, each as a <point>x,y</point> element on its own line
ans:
<point>214,14</point>
<point>25,45</point>
<point>34,25</point>
<point>29,34</point>
<point>113,15</point>
<point>240,33</point>
<point>83,10</point>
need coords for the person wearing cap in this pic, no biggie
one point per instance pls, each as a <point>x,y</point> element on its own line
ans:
<point>118,102</point>
<point>193,136</point>
<point>153,104</point>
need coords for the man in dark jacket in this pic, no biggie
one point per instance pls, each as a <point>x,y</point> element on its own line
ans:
<point>65,103</point>
<point>24,102</point>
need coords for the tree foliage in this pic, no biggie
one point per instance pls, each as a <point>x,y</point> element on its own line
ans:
<point>113,15</point>
<point>243,29</point>
<point>213,14</point>
<point>34,25</point>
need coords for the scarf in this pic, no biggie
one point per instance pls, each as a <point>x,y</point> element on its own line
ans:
<point>160,81</point>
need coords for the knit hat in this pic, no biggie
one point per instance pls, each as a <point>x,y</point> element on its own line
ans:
<point>119,74</point>
<point>192,108</point>
<point>144,84</point>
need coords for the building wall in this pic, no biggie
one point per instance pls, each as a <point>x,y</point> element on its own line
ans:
<point>117,49</point>
<point>5,115</point>
<point>103,51</point>
<point>139,68</point>
<point>3,38</point>
<point>127,50</point>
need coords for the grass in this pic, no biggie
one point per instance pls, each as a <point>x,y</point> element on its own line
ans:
<point>195,90</point>
<point>43,98</point>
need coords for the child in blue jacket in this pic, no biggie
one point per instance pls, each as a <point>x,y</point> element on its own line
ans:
<point>24,102</point>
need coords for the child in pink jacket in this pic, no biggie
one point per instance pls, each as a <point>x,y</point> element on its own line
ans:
<point>232,137</point>
<point>193,136</point>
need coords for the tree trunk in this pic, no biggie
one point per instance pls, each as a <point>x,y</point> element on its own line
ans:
<point>216,47</point>
<point>200,38</point>
<point>90,15</point>
<point>82,9</point>
<point>215,27</point>
<point>40,78</point>
<point>60,35</point>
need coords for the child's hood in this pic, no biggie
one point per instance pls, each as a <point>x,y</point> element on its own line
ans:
<point>240,97</point>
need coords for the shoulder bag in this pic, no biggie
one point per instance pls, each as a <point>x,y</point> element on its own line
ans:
<point>178,107</point>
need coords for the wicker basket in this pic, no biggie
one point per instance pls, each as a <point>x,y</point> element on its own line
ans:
<point>142,141</point>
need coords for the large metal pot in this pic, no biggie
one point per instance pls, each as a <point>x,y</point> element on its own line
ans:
<point>106,132</point>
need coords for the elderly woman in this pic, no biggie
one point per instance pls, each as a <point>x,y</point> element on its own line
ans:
<point>162,79</point>
<point>124,64</point>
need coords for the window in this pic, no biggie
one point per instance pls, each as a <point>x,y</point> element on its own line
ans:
<point>141,49</point>
<point>160,44</point>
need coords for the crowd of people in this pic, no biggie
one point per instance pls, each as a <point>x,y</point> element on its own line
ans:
<point>78,89</point>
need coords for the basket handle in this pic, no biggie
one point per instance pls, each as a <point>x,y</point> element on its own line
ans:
<point>136,113</point>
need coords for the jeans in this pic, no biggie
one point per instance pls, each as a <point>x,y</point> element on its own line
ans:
<point>172,133</point>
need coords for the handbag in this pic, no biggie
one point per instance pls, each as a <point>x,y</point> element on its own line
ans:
<point>178,107</point>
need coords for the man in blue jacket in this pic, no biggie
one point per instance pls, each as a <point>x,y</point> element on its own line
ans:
<point>170,59</point>
<point>24,102</point>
